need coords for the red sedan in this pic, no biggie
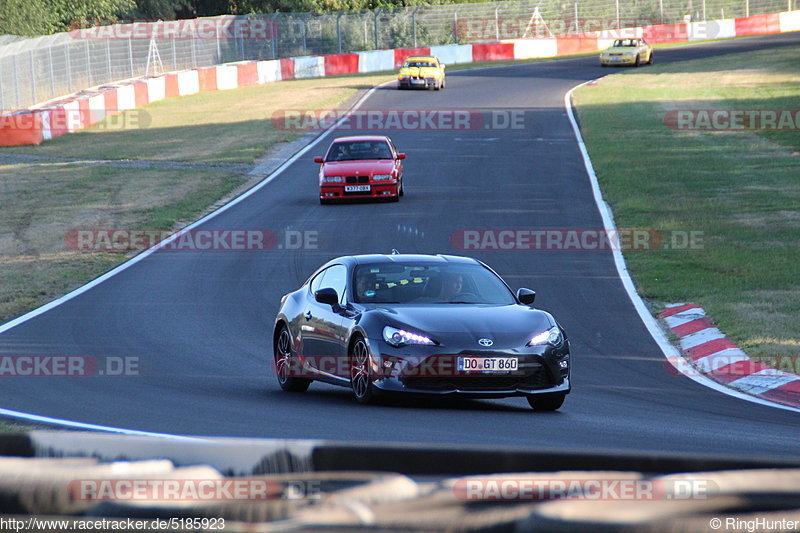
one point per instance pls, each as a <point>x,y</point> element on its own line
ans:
<point>366,166</point>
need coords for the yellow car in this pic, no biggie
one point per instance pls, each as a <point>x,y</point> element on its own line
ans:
<point>421,71</point>
<point>627,52</point>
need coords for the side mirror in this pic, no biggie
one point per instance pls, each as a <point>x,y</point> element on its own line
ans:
<point>442,65</point>
<point>526,296</point>
<point>327,296</point>
<point>317,160</point>
<point>401,156</point>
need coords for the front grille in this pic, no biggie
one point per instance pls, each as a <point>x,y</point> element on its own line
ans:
<point>540,379</point>
<point>357,179</point>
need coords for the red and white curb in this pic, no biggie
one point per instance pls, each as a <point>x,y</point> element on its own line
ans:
<point>717,358</point>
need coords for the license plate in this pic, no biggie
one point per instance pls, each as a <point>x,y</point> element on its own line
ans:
<point>488,364</point>
<point>356,188</point>
<point>417,81</point>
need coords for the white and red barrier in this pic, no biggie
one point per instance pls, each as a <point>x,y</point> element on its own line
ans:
<point>84,109</point>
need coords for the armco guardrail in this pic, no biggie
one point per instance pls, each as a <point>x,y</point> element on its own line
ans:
<point>43,68</point>
<point>88,107</point>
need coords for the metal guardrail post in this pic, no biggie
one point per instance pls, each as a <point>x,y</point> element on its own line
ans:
<point>2,95</point>
<point>108,60</point>
<point>216,34</point>
<point>455,26</point>
<point>375,20</point>
<point>33,75</point>
<point>414,24</point>
<point>339,29</point>
<point>88,63</point>
<point>130,54</point>
<point>304,21</point>
<point>16,79</point>
<point>68,63</point>
<point>52,76</point>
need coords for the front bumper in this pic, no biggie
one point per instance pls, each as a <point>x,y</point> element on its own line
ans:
<point>417,83</point>
<point>387,189</point>
<point>618,60</point>
<point>424,370</point>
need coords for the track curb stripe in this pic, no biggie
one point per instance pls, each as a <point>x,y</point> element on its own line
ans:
<point>714,356</point>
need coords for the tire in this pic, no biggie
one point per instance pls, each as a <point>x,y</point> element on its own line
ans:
<point>324,201</point>
<point>650,59</point>
<point>402,188</point>
<point>360,381</point>
<point>546,402</point>
<point>283,364</point>
<point>636,63</point>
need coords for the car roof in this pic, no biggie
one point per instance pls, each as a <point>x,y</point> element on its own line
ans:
<point>362,138</point>
<point>418,58</point>
<point>408,258</point>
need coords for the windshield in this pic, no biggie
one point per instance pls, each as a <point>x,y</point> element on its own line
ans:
<point>626,42</point>
<point>356,150</point>
<point>419,64</point>
<point>425,283</point>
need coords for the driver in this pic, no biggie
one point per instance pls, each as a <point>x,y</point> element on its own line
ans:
<point>365,287</point>
<point>451,286</point>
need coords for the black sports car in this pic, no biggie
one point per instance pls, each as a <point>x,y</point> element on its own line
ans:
<point>420,324</point>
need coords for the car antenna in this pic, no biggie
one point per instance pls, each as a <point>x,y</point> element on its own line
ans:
<point>395,252</point>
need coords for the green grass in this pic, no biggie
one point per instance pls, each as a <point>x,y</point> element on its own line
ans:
<point>741,190</point>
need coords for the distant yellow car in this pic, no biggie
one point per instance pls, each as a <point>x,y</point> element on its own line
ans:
<point>627,52</point>
<point>423,72</point>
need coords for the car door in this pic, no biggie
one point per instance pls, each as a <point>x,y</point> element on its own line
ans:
<point>321,331</point>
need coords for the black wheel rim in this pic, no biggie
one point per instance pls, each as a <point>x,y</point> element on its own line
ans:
<point>284,355</point>
<point>359,371</point>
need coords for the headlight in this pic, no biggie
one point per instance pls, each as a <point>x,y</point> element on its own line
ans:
<point>399,337</point>
<point>333,179</point>
<point>552,337</point>
<point>382,177</point>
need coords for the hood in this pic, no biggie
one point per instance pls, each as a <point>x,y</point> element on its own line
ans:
<point>360,167</point>
<point>419,72</point>
<point>459,326</point>
<point>621,50</point>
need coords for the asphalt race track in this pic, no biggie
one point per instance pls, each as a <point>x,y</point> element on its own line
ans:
<point>200,323</point>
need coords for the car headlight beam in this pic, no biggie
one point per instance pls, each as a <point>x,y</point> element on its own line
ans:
<point>401,337</point>
<point>552,337</point>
